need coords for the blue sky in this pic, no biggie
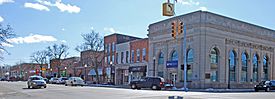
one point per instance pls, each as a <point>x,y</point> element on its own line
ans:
<point>41,23</point>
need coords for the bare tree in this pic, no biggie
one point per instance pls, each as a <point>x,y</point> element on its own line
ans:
<point>93,43</point>
<point>5,34</point>
<point>58,52</point>
<point>40,57</point>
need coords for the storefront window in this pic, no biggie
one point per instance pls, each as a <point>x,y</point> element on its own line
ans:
<point>161,58</point>
<point>214,57</point>
<point>190,56</point>
<point>244,67</point>
<point>255,67</point>
<point>232,65</point>
<point>132,56</point>
<point>138,55</point>
<point>143,54</point>
<point>265,68</point>
<point>174,56</point>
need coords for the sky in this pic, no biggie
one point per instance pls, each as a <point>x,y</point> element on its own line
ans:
<point>42,23</point>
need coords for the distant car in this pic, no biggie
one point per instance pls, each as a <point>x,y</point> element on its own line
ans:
<point>36,82</point>
<point>75,81</point>
<point>265,85</point>
<point>12,79</point>
<point>61,80</point>
<point>53,80</point>
<point>155,83</point>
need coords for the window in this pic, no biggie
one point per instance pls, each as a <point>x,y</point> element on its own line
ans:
<point>122,57</point>
<point>138,55</point>
<point>106,48</point>
<point>232,65</point>
<point>108,60</point>
<point>265,68</point>
<point>113,47</point>
<point>161,58</point>
<point>244,67</point>
<point>214,64</point>
<point>189,61</point>
<point>109,48</point>
<point>255,63</point>
<point>174,56</point>
<point>113,58</point>
<point>117,58</point>
<point>133,56</point>
<point>127,56</point>
<point>143,54</point>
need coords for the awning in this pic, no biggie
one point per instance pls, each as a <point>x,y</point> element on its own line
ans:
<point>92,72</point>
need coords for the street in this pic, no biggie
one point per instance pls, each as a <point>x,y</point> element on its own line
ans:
<point>18,90</point>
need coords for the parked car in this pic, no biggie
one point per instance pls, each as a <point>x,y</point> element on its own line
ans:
<point>61,80</point>
<point>36,82</point>
<point>155,83</point>
<point>53,80</point>
<point>75,81</point>
<point>46,80</point>
<point>3,79</point>
<point>265,85</point>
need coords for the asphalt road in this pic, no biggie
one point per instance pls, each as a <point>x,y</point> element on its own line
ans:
<point>18,90</point>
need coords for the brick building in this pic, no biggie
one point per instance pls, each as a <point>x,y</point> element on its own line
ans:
<point>24,70</point>
<point>110,53</point>
<point>69,67</point>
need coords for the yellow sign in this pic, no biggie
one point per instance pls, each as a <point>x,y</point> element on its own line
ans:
<point>43,69</point>
<point>167,9</point>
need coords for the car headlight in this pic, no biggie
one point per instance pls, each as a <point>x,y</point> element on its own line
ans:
<point>264,85</point>
<point>34,83</point>
<point>255,86</point>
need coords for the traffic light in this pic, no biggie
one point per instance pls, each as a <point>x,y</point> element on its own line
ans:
<point>174,29</point>
<point>182,66</point>
<point>180,27</point>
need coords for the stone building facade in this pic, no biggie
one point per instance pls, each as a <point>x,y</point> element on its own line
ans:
<point>223,52</point>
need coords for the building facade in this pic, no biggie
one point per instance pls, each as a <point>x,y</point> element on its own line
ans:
<point>110,53</point>
<point>24,70</point>
<point>222,52</point>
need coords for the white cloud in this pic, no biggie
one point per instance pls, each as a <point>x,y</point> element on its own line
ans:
<point>6,1</point>
<point>92,28</point>
<point>61,6</point>
<point>67,7</point>
<point>36,38</point>
<point>36,6</point>
<point>63,41</point>
<point>112,30</point>
<point>203,9</point>
<point>1,19</point>
<point>189,2</point>
<point>63,29</point>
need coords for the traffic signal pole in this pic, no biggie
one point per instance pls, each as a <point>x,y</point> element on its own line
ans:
<point>185,58</point>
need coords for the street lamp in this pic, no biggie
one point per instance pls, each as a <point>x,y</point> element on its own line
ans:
<point>65,71</point>
<point>85,66</point>
<point>111,73</point>
<point>154,66</point>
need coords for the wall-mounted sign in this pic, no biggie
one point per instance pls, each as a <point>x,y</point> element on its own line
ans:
<point>168,9</point>
<point>171,64</point>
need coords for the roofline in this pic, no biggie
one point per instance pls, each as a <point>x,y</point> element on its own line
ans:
<point>121,35</point>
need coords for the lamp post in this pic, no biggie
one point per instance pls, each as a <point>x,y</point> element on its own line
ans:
<point>228,74</point>
<point>85,66</point>
<point>65,71</point>
<point>51,72</point>
<point>111,73</point>
<point>154,66</point>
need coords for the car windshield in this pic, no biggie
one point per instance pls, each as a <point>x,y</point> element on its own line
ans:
<point>36,78</point>
<point>264,82</point>
<point>78,78</point>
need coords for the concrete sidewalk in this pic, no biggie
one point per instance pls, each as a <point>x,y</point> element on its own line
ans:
<point>178,89</point>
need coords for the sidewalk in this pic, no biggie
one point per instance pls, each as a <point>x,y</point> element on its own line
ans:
<point>178,89</point>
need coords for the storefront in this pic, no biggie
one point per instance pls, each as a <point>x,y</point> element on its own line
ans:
<point>137,72</point>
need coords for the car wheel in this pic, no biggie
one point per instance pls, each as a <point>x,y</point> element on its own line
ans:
<point>267,89</point>
<point>154,87</point>
<point>133,86</point>
<point>29,87</point>
<point>256,90</point>
<point>45,86</point>
<point>66,85</point>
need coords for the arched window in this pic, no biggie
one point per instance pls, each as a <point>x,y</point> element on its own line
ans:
<point>244,67</point>
<point>232,65</point>
<point>214,57</point>
<point>189,60</point>
<point>265,68</point>
<point>161,58</point>
<point>174,56</point>
<point>255,67</point>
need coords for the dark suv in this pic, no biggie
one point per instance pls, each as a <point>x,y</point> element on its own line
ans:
<point>265,85</point>
<point>155,83</point>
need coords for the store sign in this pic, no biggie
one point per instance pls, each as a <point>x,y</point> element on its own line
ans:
<point>171,64</point>
<point>137,69</point>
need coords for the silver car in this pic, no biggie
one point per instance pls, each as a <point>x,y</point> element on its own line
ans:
<point>75,81</point>
<point>36,82</point>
